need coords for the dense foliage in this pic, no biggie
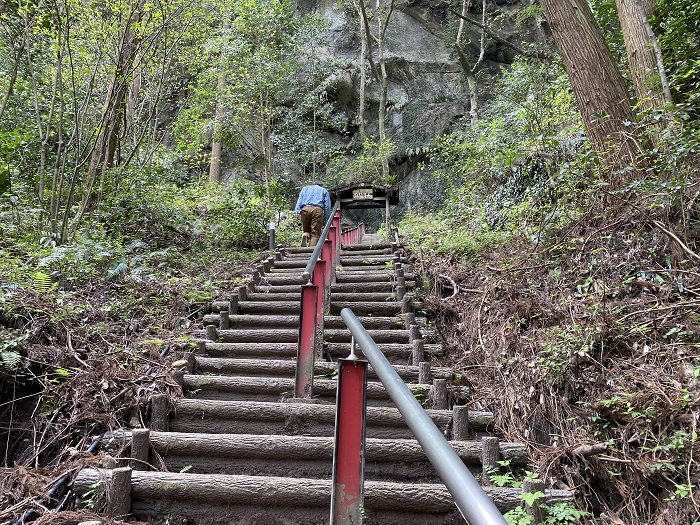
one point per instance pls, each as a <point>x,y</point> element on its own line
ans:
<point>575,300</point>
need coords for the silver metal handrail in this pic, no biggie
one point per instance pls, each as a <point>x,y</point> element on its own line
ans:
<point>309,270</point>
<point>471,500</point>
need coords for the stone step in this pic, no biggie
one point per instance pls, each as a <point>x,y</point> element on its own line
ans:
<point>203,499</point>
<point>287,368</point>
<point>299,417</point>
<point>273,389</point>
<point>304,456</point>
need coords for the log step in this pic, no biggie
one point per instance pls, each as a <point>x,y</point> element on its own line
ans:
<point>298,250</point>
<point>287,368</point>
<point>241,388</point>
<point>291,335</point>
<point>260,335</point>
<point>291,296</point>
<point>362,297</point>
<point>292,321</point>
<point>299,418</point>
<point>284,271</point>
<point>365,246</point>
<point>297,263</point>
<point>394,352</point>
<point>368,308</point>
<point>248,500</point>
<point>367,260</point>
<point>358,253</point>
<point>252,350</point>
<point>283,288</point>
<point>304,456</point>
<point>367,276</point>
<point>269,307</point>
<point>283,279</point>
<point>271,304</point>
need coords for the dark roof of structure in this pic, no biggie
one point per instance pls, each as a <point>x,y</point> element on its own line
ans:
<point>365,195</point>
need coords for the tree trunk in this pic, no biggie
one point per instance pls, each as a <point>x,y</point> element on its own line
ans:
<point>384,81</point>
<point>598,86</point>
<point>470,71</point>
<point>216,146</point>
<point>113,113</point>
<point>640,53</point>
<point>363,76</point>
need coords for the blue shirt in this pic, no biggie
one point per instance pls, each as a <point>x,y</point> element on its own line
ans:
<point>314,196</point>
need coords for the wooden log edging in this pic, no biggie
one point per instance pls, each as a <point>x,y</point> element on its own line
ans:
<point>272,367</point>
<point>270,491</point>
<point>245,446</point>
<point>278,413</point>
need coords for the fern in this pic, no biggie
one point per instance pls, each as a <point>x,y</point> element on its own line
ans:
<point>116,270</point>
<point>10,347</point>
<point>42,283</point>
<point>10,360</point>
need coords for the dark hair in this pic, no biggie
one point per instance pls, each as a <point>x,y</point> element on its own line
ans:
<point>317,183</point>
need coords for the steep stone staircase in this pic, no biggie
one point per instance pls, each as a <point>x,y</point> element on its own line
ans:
<point>239,448</point>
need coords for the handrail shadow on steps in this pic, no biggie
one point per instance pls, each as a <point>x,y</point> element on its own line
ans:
<point>471,500</point>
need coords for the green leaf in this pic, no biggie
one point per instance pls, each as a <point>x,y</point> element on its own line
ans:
<point>531,497</point>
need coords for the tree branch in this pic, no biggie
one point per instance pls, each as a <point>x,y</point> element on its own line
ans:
<point>496,36</point>
<point>372,65</point>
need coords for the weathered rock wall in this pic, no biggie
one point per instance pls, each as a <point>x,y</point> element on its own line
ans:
<point>427,91</point>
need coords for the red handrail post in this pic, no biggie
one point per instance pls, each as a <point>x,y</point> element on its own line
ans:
<point>327,257</point>
<point>303,382</point>
<point>333,235</point>
<point>338,235</point>
<point>349,451</point>
<point>319,279</point>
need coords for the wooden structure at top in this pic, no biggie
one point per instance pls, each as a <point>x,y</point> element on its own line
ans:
<point>362,195</point>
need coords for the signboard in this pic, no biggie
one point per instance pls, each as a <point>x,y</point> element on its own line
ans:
<point>363,194</point>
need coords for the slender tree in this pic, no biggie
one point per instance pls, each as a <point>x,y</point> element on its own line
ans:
<point>645,64</point>
<point>470,70</point>
<point>216,139</point>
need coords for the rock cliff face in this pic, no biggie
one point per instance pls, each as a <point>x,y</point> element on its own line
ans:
<point>427,90</point>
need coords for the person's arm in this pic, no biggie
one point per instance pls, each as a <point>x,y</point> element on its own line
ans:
<point>297,208</point>
<point>326,207</point>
